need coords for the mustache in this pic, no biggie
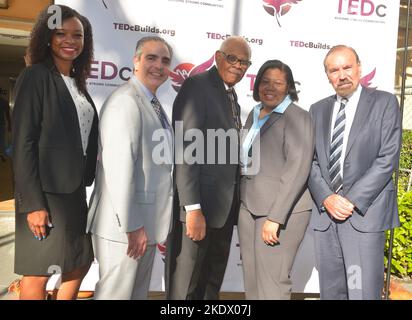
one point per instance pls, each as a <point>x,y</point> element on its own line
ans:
<point>343,82</point>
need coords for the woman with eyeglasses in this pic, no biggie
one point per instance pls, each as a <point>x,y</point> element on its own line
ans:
<point>276,157</point>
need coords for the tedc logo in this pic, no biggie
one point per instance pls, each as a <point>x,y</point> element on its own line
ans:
<point>278,8</point>
<point>364,8</point>
<point>185,70</point>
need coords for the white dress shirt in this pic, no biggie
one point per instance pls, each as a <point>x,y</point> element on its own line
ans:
<point>85,112</point>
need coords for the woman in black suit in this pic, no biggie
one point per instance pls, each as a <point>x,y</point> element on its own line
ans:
<point>55,130</point>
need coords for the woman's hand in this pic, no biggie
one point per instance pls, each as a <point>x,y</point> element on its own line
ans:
<point>270,232</point>
<point>37,221</point>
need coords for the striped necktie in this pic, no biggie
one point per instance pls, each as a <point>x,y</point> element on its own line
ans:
<point>336,147</point>
<point>160,113</point>
<point>235,112</point>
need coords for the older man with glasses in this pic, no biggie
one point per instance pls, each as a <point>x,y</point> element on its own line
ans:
<point>207,198</point>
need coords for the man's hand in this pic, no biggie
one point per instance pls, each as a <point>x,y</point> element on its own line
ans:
<point>37,221</point>
<point>270,232</point>
<point>338,207</point>
<point>195,225</point>
<point>137,243</point>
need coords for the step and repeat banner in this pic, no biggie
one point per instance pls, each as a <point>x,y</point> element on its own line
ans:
<point>298,32</point>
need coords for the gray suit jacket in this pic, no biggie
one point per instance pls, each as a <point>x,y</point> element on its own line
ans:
<point>372,154</point>
<point>131,189</point>
<point>286,149</point>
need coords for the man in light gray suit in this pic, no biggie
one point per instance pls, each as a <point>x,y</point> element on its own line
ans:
<point>357,145</point>
<point>131,205</point>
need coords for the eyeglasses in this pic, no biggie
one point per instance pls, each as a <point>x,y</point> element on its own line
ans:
<point>275,83</point>
<point>232,59</point>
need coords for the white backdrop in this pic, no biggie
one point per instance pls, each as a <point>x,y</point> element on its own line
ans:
<point>298,32</point>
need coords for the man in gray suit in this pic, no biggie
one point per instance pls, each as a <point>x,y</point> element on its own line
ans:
<point>131,205</point>
<point>357,145</point>
<point>207,190</point>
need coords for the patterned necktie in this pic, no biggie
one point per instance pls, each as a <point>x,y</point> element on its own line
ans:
<point>235,112</point>
<point>159,111</point>
<point>336,147</point>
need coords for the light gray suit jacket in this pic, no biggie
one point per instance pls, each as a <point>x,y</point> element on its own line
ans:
<point>132,189</point>
<point>286,149</point>
<point>372,154</point>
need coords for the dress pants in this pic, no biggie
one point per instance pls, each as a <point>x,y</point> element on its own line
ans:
<point>266,268</point>
<point>196,268</point>
<point>121,277</point>
<point>350,263</point>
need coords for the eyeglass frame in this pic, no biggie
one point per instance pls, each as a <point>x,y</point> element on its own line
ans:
<point>243,63</point>
<point>275,83</point>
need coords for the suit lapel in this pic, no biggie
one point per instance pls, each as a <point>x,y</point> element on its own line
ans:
<point>362,111</point>
<point>274,116</point>
<point>249,120</point>
<point>326,125</point>
<point>223,98</point>
<point>141,99</point>
<point>67,109</point>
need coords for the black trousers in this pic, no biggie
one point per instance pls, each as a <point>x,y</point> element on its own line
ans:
<point>195,269</point>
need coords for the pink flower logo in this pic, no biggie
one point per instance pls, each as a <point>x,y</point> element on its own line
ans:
<point>185,70</point>
<point>278,8</point>
<point>162,248</point>
<point>366,81</point>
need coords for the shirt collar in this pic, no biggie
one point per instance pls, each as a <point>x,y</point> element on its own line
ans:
<point>146,91</point>
<point>354,96</point>
<point>281,108</point>
<point>227,87</point>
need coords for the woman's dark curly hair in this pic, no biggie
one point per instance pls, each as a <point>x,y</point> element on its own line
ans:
<point>41,36</point>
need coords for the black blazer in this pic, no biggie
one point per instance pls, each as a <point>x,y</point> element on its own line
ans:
<point>47,148</point>
<point>202,103</point>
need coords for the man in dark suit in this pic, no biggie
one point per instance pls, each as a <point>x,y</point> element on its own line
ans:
<point>207,188</point>
<point>357,145</point>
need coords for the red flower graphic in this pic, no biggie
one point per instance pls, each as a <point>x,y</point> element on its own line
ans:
<point>366,81</point>
<point>162,248</point>
<point>185,70</point>
<point>278,8</point>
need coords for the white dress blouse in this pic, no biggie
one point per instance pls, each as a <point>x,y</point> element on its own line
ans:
<point>85,111</point>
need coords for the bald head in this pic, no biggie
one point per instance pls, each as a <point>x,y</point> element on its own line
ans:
<point>232,59</point>
<point>236,41</point>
